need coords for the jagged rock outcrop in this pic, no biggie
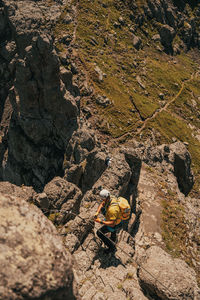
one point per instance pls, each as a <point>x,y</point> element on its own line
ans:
<point>175,158</point>
<point>33,261</point>
<point>182,162</point>
<point>167,35</point>
<point>172,18</point>
<point>44,110</point>
<point>172,278</point>
<point>81,158</point>
<point>62,196</point>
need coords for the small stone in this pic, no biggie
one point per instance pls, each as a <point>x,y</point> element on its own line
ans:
<point>139,80</point>
<point>93,41</point>
<point>161,95</point>
<point>103,101</point>
<point>43,200</point>
<point>174,139</point>
<point>100,73</point>
<point>156,37</point>
<point>132,29</point>
<point>121,20</point>
<point>137,42</point>
<point>116,25</point>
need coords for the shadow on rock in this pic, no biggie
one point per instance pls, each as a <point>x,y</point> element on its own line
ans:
<point>107,259</point>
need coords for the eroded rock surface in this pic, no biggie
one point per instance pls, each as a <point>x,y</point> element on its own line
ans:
<point>62,196</point>
<point>34,263</point>
<point>173,278</point>
<point>44,110</point>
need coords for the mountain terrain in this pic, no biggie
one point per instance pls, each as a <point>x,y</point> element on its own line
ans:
<point>83,83</point>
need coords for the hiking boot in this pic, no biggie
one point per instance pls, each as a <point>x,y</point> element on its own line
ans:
<point>109,250</point>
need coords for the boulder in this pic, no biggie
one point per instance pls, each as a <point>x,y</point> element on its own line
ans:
<point>167,34</point>
<point>115,178</point>
<point>167,278</point>
<point>156,10</point>
<point>74,174</point>
<point>82,142</point>
<point>75,231</point>
<point>64,197</point>
<point>33,261</point>
<point>137,42</point>
<point>102,100</point>
<point>156,38</point>
<point>181,160</point>
<point>95,166</point>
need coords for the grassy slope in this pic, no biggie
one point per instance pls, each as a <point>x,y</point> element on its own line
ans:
<point>103,43</point>
<point>115,55</point>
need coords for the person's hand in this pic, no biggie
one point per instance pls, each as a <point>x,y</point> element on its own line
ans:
<point>96,215</point>
<point>98,220</point>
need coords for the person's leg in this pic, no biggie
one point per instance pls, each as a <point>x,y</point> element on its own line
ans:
<point>113,236</point>
<point>101,233</point>
<point>115,232</point>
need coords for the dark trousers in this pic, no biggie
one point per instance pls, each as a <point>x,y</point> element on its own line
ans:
<point>101,232</point>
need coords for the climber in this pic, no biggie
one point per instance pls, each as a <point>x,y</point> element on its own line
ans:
<point>113,219</point>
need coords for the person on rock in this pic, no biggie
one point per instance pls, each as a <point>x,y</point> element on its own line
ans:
<point>112,221</point>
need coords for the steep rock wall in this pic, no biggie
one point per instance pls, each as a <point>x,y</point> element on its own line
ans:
<point>44,111</point>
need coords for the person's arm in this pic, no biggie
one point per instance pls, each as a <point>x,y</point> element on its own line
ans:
<point>99,209</point>
<point>108,223</point>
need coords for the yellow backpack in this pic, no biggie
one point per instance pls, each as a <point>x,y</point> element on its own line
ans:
<point>124,206</point>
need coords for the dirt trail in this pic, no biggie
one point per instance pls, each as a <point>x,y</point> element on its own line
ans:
<point>159,110</point>
<point>194,75</point>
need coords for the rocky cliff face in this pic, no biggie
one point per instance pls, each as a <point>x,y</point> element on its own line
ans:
<point>140,269</point>
<point>58,87</point>
<point>44,113</point>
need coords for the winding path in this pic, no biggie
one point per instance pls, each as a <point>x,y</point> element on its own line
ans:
<point>194,75</point>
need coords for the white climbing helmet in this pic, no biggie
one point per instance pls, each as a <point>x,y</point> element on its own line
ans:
<point>104,193</point>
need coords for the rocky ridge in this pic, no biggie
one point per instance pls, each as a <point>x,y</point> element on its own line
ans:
<point>47,142</point>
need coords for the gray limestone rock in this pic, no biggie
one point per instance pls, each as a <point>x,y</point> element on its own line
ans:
<point>24,192</point>
<point>82,142</point>
<point>94,168</point>
<point>76,230</point>
<point>137,42</point>
<point>64,197</point>
<point>182,167</point>
<point>33,261</point>
<point>74,174</point>
<point>171,278</point>
<point>44,111</point>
